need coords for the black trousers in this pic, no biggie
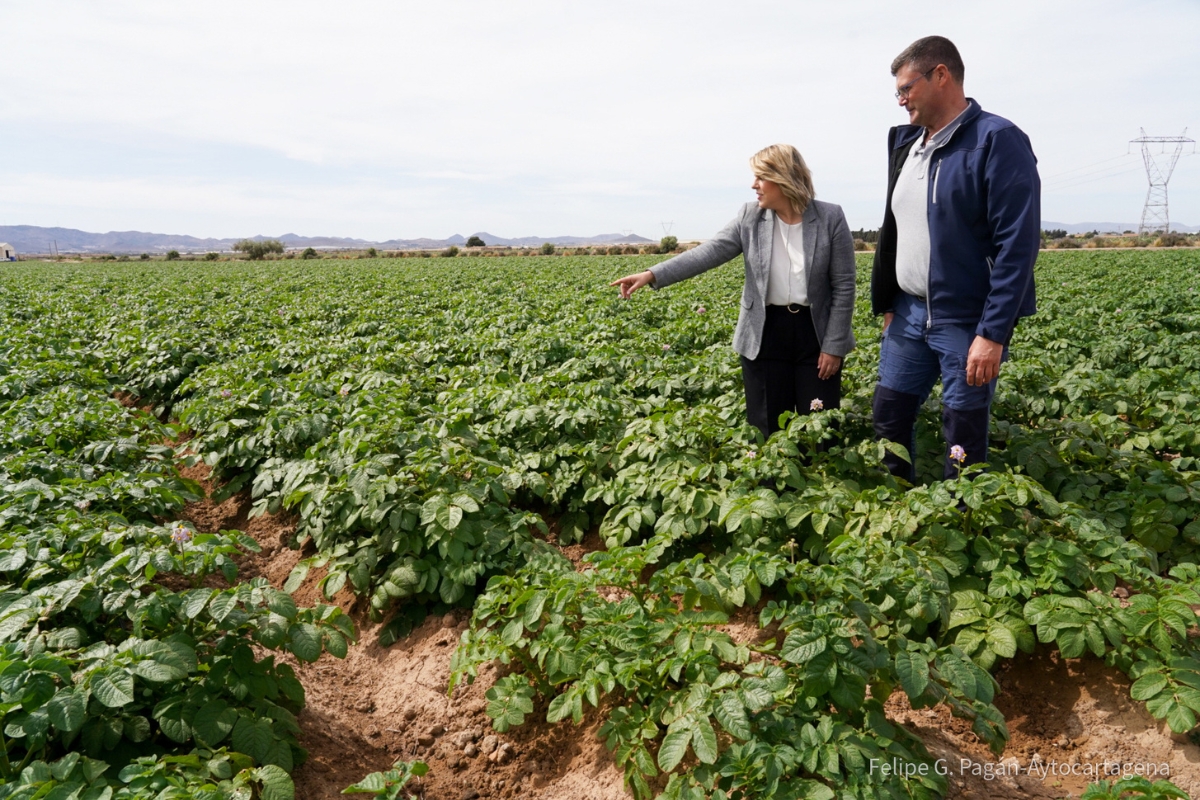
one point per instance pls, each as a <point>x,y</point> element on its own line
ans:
<point>784,375</point>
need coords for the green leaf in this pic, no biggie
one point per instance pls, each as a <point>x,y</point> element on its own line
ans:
<point>213,722</point>
<point>800,647</point>
<point>1148,686</point>
<point>731,714</point>
<point>276,784</point>
<point>304,641</point>
<point>913,671</point>
<point>112,687</point>
<point>221,605</point>
<point>253,737</point>
<point>282,604</point>
<point>173,716</point>
<point>375,783</point>
<point>673,748</point>
<point>1001,640</point>
<point>704,740</point>
<point>1071,642</point>
<point>67,709</point>
<point>194,601</point>
<point>1181,718</point>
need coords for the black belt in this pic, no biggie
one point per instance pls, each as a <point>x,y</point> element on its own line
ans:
<point>792,307</point>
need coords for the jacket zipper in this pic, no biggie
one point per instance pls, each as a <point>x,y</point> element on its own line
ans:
<point>937,171</point>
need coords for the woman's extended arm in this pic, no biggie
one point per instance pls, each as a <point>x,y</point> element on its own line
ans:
<point>725,246</point>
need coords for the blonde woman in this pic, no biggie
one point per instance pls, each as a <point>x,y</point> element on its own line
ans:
<point>794,326</point>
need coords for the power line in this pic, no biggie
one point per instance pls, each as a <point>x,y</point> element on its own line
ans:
<point>1087,166</point>
<point>1083,179</point>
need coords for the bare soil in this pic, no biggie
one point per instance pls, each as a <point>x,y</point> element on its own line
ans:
<point>380,705</point>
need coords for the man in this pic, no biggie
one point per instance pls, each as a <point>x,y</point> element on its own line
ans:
<point>953,267</point>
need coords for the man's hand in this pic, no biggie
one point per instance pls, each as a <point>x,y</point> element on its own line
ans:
<point>887,319</point>
<point>983,361</point>
<point>631,283</point>
<point>828,366</point>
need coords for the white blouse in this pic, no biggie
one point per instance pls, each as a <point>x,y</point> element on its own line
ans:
<point>788,281</point>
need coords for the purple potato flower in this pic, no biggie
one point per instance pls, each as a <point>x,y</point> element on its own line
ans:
<point>958,454</point>
<point>181,534</point>
<point>816,405</point>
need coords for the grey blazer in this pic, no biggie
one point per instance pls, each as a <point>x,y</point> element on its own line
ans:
<point>828,259</point>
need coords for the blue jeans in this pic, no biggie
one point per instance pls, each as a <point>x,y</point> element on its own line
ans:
<point>912,357</point>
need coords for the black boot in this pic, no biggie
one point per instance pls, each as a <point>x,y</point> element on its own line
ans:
<point>968,430</point>
<point>895,417</point>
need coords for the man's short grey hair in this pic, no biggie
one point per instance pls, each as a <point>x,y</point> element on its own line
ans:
<point>925,54</point>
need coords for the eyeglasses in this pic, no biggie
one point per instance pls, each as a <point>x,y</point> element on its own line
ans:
<point>903,91</point>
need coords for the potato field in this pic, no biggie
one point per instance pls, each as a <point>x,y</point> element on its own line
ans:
<point>442,430</point>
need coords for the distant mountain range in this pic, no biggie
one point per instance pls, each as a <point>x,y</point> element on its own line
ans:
<point>31,239</point>
<point>1103,227</point>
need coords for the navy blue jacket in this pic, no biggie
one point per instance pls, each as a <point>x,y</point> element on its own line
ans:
<point>985,214</point>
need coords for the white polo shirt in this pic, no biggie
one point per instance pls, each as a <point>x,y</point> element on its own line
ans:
<point>910,206</point>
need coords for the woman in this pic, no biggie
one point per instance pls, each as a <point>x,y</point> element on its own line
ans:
<point>794,326</point>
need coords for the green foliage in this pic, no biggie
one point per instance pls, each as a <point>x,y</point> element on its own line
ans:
<point>309,253</point>
<point>389,784</point>
<point>547,248</point>
<point>1131,787</point>
<point>211,256</point>
<point>668,244</point>
<point>450,252</point>
<point>257,249</point>
<point>475,241</point>
<point>431,429</point>
<point>172,255</point>
<point>98,657</point>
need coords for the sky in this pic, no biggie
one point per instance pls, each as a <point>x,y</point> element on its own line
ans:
<point>381,120</point>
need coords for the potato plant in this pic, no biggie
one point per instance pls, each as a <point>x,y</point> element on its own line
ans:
<point>440,432</point>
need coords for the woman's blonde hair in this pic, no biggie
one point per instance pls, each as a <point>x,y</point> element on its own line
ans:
<point>783,165</point>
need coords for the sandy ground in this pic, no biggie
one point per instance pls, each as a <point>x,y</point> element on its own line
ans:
<point>380,705</point>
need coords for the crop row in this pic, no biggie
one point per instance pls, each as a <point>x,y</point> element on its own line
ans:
<point>432,427</point>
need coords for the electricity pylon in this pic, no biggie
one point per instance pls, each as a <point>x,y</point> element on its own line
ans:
<point>1155,214</point>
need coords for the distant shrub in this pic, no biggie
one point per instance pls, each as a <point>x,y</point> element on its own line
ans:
<point>123,258</point>
<point>211,256</point>
<point>1170,240</point>
<point>613,250</point>
<point>308,253</point>
<point>547,249</point>
<point>257,250</point>
<point>172,255</point>
<point>860,245</point>
<point>371,253</point>
<point>630,250</point>
<point>668,244</point>
<point>475,241</point>
<point>144,257</point>
<point>1067,243</point>
<point>450,252</point>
